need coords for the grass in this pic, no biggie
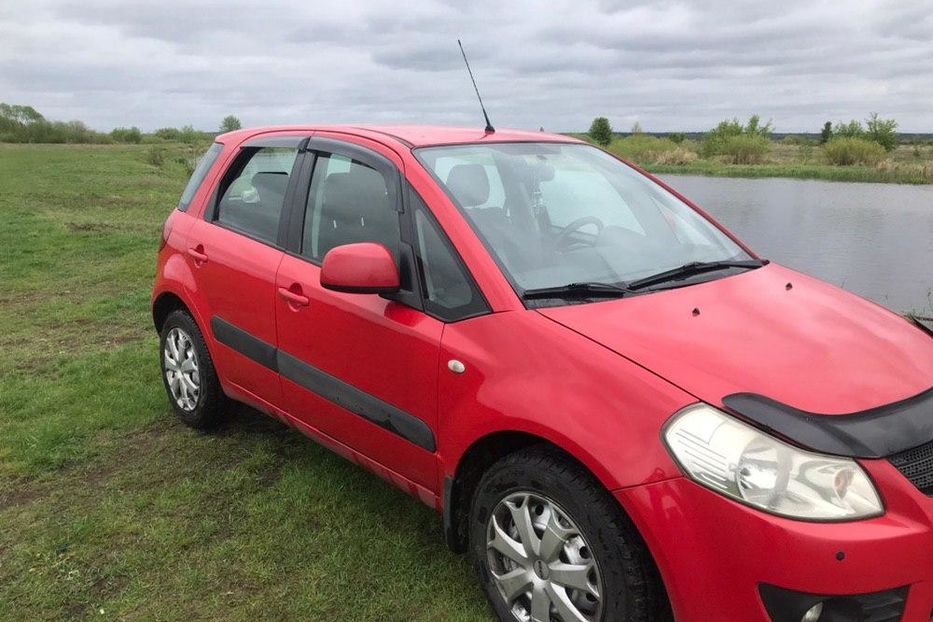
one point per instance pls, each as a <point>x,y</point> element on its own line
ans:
<point>109,509</point>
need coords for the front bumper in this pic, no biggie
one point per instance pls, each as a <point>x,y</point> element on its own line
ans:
<point>714,554</point>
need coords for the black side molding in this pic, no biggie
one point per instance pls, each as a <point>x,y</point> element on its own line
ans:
<point>329,387</point>
<point>875,433</point>
<point>359,402</point>
<point>244,343</point>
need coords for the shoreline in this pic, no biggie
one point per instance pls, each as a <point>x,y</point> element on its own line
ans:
<point>817,172</point>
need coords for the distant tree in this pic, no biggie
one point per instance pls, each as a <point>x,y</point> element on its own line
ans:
<point>755,128</point>
<point>827,133</point>
<point>636,128</point>
<point>742,144</point>
<point>22,115</point>
<point>852,129</point>
<point>882,131</point>
<point>127,135</point>
<point>23,124</point>
<point>677,137</point>
<point>230,123</point>
<point>188,134</point>
<point>601,131</point>
<point>167,133</point>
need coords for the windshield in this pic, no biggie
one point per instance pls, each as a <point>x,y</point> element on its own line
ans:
<point>554,214</point>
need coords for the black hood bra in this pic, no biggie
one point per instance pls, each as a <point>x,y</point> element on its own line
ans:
<point>875,433</point>
<point>923,323</point>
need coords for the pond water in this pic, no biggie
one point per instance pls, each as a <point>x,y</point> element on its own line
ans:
<point>872,239</point>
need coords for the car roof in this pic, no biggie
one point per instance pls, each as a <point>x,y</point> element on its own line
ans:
<point>411,135</point>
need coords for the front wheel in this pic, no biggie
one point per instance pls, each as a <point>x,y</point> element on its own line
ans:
<point>550,545</point>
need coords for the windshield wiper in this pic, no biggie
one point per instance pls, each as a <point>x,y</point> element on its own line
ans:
<point>577,290</point>
<point>609,290</point>
<point>690,269</point>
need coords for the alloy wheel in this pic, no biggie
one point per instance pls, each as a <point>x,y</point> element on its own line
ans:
<point>181,369</point>
<point>540,561</point>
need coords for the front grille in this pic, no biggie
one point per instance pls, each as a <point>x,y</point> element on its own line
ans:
<point>917,466</point>
<point>883,607</point>
<point>789,606</point>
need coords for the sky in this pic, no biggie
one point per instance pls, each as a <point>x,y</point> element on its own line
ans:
<point>668,65</point>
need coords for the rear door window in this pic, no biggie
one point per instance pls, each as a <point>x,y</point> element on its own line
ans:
<point>253,191</point>
<point>197,177</point>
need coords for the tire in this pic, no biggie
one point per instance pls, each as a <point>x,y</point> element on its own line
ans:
<point>598,543</point>
<point>194,392</point>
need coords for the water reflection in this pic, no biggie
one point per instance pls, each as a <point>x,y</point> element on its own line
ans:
<point>873,239</point>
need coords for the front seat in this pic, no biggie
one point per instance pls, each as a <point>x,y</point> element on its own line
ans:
<point>469,184</point>
<point>520,247</point>
<point>355,208</point>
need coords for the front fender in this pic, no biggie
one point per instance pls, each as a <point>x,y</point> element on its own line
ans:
<point>525,373</point>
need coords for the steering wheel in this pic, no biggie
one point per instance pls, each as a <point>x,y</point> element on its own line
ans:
<point>564,241</point>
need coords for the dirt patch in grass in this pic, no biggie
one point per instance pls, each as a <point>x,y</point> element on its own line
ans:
<point>83,476</point>
<point>89,227</point>
<point>40,354</point>
<point>19,491</point>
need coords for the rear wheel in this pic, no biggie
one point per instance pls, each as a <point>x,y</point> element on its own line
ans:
<point>550,545</point>
<point>188,372</point>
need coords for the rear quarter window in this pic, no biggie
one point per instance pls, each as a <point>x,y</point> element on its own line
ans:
<point>197,177</point>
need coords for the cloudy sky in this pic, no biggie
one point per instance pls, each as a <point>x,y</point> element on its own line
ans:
<point>670,65</point>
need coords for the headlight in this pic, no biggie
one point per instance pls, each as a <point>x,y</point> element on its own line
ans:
<point>741,462</point>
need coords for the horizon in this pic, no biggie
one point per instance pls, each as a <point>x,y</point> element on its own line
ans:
<point>615,130</point>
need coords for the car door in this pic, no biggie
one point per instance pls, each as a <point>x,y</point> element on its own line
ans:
<point>359,368</point>
<point>235,252</point>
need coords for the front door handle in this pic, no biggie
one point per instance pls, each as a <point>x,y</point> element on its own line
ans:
<point>198,254</point>
<point>294,299</point>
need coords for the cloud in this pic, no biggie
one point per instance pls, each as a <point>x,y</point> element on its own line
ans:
<point>669,64</point>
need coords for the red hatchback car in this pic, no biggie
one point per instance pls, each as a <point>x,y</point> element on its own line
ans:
<point>621,411</point>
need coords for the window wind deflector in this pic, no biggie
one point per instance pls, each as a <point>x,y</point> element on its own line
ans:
<point>690,269</point>
<point>577,290</point>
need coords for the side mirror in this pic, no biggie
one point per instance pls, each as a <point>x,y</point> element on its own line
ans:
<point>363,268</point>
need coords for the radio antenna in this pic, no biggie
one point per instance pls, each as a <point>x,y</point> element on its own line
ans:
<point>489,128</point>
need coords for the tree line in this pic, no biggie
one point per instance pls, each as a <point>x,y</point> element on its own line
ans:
<point>24,124</point>
<point>732,141</point>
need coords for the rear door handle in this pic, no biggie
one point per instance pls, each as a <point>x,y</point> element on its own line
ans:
<point>293,298</point>
<point>198,253</point>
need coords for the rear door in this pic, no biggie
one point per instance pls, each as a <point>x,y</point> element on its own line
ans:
<point>235,252</point>
<point>360,368</point>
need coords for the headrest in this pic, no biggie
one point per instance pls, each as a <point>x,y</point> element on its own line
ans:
<point>469,184</point>
<point>274,181</point>
<point>360,190</point>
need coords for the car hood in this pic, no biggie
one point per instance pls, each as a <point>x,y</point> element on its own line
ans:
<point>769,331</point>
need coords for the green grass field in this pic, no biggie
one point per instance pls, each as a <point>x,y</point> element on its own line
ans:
<point>109,508</point>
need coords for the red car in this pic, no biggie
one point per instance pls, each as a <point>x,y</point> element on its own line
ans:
<point>621,411</point>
